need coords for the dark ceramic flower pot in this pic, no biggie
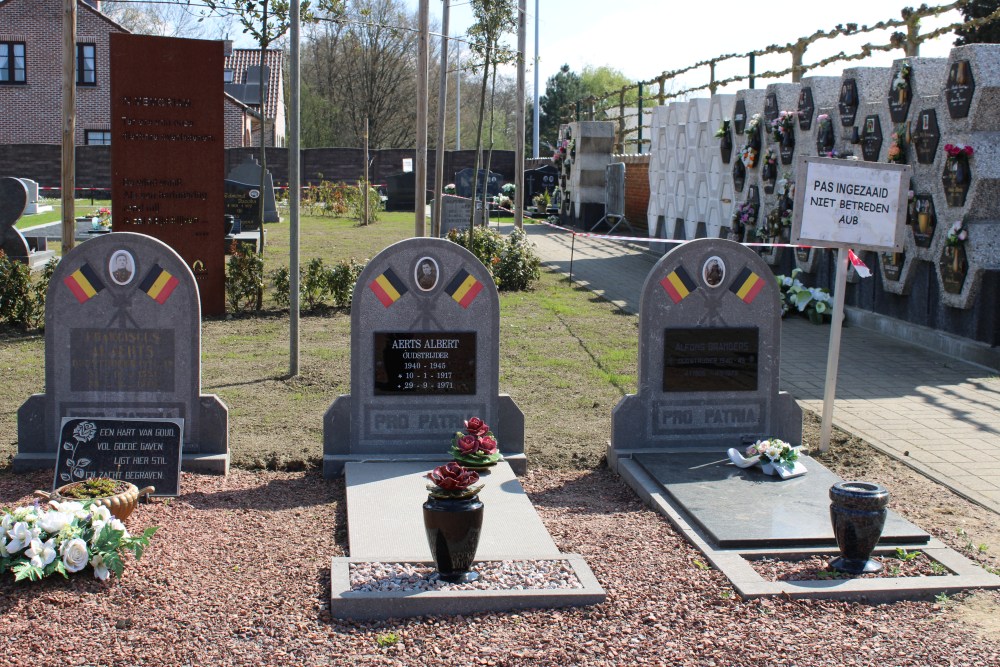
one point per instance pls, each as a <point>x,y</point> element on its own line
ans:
<point>453,529</point>
<point>857,511</point>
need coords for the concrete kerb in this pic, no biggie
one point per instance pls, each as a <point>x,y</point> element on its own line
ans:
<point>735,563</point>
<point>371,606</point>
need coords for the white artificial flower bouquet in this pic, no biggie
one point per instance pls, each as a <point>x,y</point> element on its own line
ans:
<point>36,541</point>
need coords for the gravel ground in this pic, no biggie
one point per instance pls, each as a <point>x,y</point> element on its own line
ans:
<point>239,575</point>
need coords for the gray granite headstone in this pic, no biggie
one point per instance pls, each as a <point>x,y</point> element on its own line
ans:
<point>425,355</point>
<point>32,208</point>
<point>123,340</point>
<point>455,212</point>
<point>13,199</point>
<point>709,348</point>
<point>248,172</point>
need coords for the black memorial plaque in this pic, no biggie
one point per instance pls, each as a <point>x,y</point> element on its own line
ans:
<point>871,139</point>
<point>440,362</point>
<point>959,89</point>
<point>848,104</point>
<point>786,149</point>
<point>537,181</point>
<point>710,359</point>
<point>771,107</point>
<point>954,268</point>
<point>144,452</point>
<point>900,95</point>
<point>122,360</point>
<point>740,117</point>
<point>926,136</point>
<point>922,219</point>
<point>806,109</point>
<point>802,253</point>
<point>957,178</point>
<point>892,264</point>
<point>243,201</point>
<point>825,138</point>
<point>739,175</point>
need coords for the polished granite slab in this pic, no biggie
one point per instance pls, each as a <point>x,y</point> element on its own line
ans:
<point>744,508</point>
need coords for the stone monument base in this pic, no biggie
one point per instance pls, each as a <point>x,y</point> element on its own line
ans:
<point>509,431</point>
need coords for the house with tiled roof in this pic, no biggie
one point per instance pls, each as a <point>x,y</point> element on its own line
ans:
<point>243,75</point>
<point>31,44</point>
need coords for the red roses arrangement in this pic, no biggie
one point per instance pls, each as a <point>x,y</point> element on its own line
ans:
<point>955,150</point>
<point>452,481</point>
<point>477,446</point>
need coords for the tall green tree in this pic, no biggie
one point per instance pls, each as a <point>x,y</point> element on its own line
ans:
<point>984,34</point>
<point>562,89</point>
<point>492,20</point>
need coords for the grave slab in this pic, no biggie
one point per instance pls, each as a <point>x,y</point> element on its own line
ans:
<point>385,516</point>
<point>744,508</point>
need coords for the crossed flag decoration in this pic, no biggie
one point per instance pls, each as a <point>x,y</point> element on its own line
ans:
<point>678,285</point>
<point>158,284</point>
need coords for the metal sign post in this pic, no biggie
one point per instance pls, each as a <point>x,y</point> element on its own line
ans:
<point>847,204</point>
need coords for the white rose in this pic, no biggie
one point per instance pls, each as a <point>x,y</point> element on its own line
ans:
<point>98,527</point>
<point>118,525</point>
<point>41,553</point>
<point>70,507</point>
<point>74,554</point>
<point>53,522</point>
<point>6,523</point>
<point>3,544</point>
<point>101,513</point>
<point>100,569</point>
<point>20,536</point>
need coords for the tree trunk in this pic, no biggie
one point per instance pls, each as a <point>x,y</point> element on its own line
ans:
<point>489,154</point>
<point>479,141</point>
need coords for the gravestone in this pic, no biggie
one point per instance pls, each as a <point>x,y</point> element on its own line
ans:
<point>455,212</point>
<point>123,341</point>
<point>959,89</point>
<point>243,203</point>
<point>537,181</point>
<point>463,183</point>
<point>425,355</point>
<point>709,349</point>
<point>926,135</point>
<point>13,200</point>
<point>33,207</point>
<point>247,175</point>
<point>871,138</point>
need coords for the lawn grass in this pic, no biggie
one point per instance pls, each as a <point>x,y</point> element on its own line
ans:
<point>82,207</point>
<point>566,357</point>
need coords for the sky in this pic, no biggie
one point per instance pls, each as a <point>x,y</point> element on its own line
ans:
<point>642,38</point>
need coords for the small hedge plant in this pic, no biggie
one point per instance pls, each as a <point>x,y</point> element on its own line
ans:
<point>511,261</point>
<point>22,297</point>
<point>318,283</point>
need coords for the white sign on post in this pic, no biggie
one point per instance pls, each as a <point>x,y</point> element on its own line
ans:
<point>847,204</point>
<point>843,203</point>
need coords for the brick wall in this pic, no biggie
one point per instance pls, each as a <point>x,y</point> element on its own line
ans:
<point>32,112</point>
<point>636,190</point>
<point>237,123</point>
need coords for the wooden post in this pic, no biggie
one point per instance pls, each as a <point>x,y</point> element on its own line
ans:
<point>294,193</point>
<point>365,217</point>
<point>621,121</point>
<point>420,178</point>
<point>662,80</point>
<point>68,184</point>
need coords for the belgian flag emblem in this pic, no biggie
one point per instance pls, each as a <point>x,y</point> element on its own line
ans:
<point>464,288</point>
<point>678,284</point>
<point>84,283</point>
<point>159,284</point>
<point>388,287</point>
<point>747,285</point>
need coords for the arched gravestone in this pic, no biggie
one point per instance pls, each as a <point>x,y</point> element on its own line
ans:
<point>123,340</point>
<point>425,356</point>
<point>13,200</point>
<point>709,348</point>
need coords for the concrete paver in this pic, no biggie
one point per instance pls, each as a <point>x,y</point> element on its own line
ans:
<point>935,413</point>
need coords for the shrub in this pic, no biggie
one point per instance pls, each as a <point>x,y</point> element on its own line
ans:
<point>511,261</point>
<point>317,283</point>
<point>244,280</point>
<point>356,203</point>
<point>22,301</point>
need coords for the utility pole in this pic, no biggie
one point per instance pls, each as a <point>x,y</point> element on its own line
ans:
<point>68,185</point>
<point>458,98</point>
<point>294,193</point>
<point>535,114</point>
<point>522,42</point>
<point>442,104</point>
<point>420,189</point>
<point>263,81</point>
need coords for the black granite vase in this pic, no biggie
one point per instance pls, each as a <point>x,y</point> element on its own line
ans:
<point>857,511</point>
<point>453,528</point>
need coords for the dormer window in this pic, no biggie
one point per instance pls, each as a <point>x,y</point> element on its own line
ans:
<point>227,75</point>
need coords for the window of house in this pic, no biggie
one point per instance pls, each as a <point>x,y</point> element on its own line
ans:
<point>12,68</point>
<point>97,137</point>
<point>227,75</point>
<point>86,65</point>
